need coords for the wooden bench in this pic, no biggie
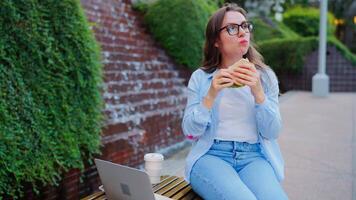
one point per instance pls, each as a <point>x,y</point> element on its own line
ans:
<point>170,186</point>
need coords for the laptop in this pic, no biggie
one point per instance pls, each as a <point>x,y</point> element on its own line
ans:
<point>125,183</point>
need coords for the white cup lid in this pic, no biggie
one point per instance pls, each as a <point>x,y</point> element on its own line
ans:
<point>153,157</point>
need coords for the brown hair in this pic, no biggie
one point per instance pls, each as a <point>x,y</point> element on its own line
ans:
<point>212,55</point>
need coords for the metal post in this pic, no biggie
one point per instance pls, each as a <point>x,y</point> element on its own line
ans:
<point>320,83</point>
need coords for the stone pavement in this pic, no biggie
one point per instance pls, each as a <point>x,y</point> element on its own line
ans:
<point>317,142</point>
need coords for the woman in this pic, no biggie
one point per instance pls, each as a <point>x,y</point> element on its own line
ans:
<point>232,113</point>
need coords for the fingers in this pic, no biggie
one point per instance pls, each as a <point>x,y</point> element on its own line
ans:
<point>249,82</point>
<point>244,63</point>
<point>223,76</point>
<point>229,84</point>
<point>246,74</point>
<point>248,66</point>
<point>252,76</point>
<point>222,81</point>
<point>238,82</point>
<point>246,77</point>
<point>224,73</point>
<point>243,71</point>
<point>242,74</point>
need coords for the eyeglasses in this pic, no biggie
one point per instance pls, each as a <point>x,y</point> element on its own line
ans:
<point>234,29</point>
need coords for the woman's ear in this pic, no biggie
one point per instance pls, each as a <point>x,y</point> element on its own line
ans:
<point>216,44</point>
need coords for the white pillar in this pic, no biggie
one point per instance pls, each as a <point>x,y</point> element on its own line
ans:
<point>320,83</point>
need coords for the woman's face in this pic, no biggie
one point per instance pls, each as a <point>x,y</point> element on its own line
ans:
<point>233,45</point>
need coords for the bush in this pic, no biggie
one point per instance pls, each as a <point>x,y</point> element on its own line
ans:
<point>179,26</point>
<point>286,31</point>
<point>50,104</point>
<point>263,31</point>
<point>287,54</point>
<point>343,49</point>
<point>305,21</point>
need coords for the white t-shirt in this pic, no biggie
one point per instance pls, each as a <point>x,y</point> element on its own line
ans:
<point>237,120</point>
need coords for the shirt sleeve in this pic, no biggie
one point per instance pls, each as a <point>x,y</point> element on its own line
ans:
<point>268,117</point>
<point>197,117</point>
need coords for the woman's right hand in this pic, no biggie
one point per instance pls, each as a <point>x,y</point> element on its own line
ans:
<point>223,79</point>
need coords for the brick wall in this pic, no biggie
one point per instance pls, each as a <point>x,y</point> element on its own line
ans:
<point>342,74</point>
<point>143,93</point>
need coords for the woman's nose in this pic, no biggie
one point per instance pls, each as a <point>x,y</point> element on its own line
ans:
<point>241,32</point>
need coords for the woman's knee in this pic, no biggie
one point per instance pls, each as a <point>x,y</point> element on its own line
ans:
<point>260,178</point>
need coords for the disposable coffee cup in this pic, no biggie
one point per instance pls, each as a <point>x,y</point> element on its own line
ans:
<point>153,166</point>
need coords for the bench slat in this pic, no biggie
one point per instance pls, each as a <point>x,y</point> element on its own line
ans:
<point>189,196</point>
<point>170,186</point>
<point>177,188</point>
<point>94,196</point>
<point>198,198</point>
<point>101,198</point>
<point>164,183</point>
<point>183,192</point>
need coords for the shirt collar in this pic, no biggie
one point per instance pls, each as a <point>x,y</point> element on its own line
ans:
<point>212,74</point>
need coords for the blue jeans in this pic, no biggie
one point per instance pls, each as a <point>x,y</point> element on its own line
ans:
<point>234,171</point>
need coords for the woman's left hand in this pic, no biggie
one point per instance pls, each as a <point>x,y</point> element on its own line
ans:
<point>247,74</point>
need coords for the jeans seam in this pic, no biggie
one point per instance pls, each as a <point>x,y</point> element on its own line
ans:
<point>209,183</point>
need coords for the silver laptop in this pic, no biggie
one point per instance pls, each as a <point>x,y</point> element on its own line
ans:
<point>125,183</point>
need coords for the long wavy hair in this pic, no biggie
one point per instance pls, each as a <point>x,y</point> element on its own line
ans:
<point>212,55</point>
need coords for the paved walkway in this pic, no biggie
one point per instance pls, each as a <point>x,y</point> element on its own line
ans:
<point>317,142</point>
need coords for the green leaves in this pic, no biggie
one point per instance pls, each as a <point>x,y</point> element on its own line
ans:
<point>305,21</point>
<point>50,104</point>
<point>179,26</point>
<point>287,54</point>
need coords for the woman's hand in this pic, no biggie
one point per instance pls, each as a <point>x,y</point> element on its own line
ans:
<point>245,73</point>
<point>223,79</point>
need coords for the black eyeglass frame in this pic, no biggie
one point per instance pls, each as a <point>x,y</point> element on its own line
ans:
<point>249,27</point>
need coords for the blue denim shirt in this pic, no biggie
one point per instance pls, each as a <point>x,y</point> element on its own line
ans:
<point>200,123</point>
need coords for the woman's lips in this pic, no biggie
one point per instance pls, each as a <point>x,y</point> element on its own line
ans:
<point>244,42</point>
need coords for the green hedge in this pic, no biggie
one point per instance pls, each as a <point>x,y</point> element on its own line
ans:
<point>263,31</point>
<point>305,21</point>
<point>286,31</point>
<point>179,26</point>
<point>343,49</point>
<point>287,54</point>
<point>50,104</point>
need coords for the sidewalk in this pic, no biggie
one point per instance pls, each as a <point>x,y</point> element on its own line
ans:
<point>317,141</point>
